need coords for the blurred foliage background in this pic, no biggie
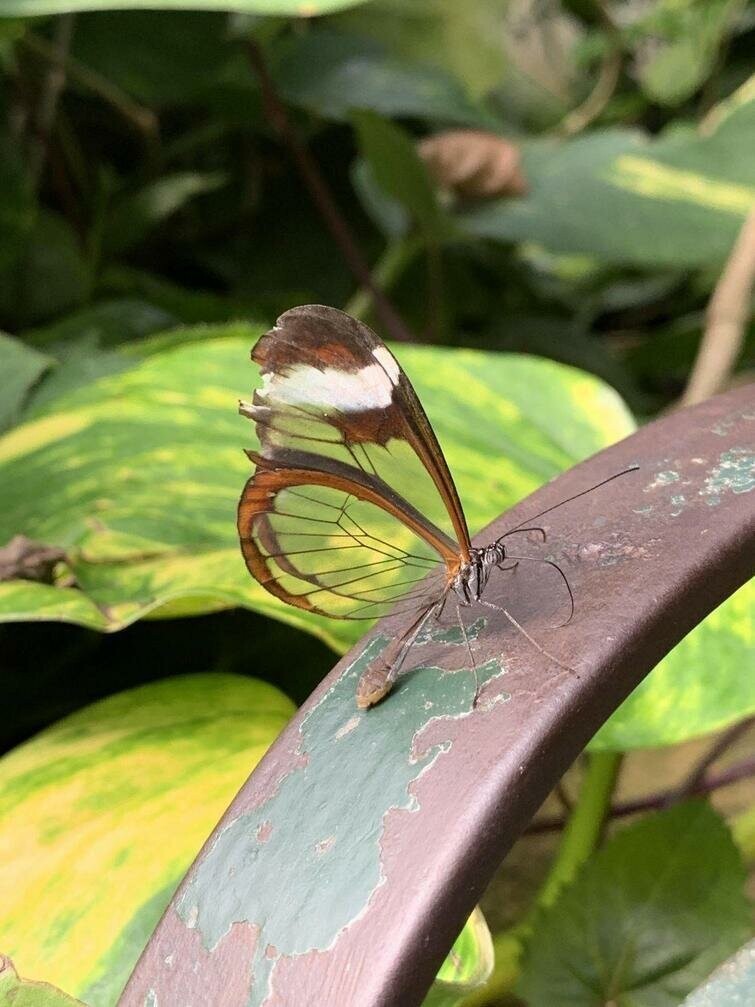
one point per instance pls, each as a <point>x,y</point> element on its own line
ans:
<point>563,180</point>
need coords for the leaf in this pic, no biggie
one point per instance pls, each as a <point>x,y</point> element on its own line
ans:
<point>647,918</point>
<point>732,983</point>
<point>393,219</point>
<point>15,992</point>
<point>466,39</point>
<point>698,688</point>
<point>17,204</point>
<point>473,163</point>
<point>49,275</point>
<point>108,322</point>
<point>679,46</point>
<point>149,468</point>
<point>292,8</point>
<point>467,966</point>
<point>134,216</point>
<point>153,55</point>
<point>24,559</point>
<point>399,171</point>
<point>21,368</point>
<point>679,200</point>
<point>101,814</point>
<point>333,73</point>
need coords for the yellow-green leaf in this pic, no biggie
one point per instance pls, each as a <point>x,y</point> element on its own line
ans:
<point>101,815</point>
<point>138,475</point>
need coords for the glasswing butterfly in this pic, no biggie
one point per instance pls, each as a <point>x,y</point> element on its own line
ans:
<point>352,511</point>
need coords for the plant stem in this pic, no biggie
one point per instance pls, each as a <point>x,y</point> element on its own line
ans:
<point>727,315</point>
<point>580,838</point>
<point>397,256</point>
<point>52,86</point>
<point>655,802</point>
<point>584,827</point>
<point>323,197</point>
<point>142,118</point>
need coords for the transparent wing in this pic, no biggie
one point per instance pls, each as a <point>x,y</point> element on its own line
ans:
<point>349,466</point>
<point>322,548</point>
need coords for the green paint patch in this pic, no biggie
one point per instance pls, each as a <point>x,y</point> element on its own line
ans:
<point>735,473</point>
<point>453,634</point>
<point>336,844</point>
<point>665,478</point>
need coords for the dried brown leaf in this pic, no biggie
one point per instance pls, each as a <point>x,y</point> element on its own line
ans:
<point>474,164</point>
<point>24,559</point>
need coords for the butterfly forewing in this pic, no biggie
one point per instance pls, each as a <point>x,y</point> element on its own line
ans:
<point>351,505</point>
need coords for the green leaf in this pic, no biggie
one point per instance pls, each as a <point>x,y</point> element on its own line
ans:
<point>49,275</point>
<point>463,38</point>
<point>468,965</point>
<point>701,686</point>
<point>647,918</point>
<point>332,74</point>
<point>293,8</point>
<point>399,171</point>
<point>15,992</point>
<point>682,48</point>
<point>134,216</point>
<point>101,815</point>
<point>149,468</point>
<point>153,55</point>
<point>679,200</point>
<point>393,219</point>
<point>731,984</point>
<point>21,368</point>
<point>108,323</point>
<point>17,204</point>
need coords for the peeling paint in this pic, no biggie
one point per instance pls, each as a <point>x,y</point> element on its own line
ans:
<point>723,426</point>
<point>336,845</point>
<point>678,503</point>
<point>734,473</point>
<point>452,634</point>
<point>664,478</point>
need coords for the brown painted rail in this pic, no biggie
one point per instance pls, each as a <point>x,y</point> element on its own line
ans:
<point>345,867</point>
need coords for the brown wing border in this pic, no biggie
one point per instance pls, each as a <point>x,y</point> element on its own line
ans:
<point>300,469</point>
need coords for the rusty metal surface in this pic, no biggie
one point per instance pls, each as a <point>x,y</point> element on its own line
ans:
<point>346,865</point>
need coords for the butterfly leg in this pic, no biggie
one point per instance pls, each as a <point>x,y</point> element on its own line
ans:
<point>378,678</point>
<point>472,662</point>
<point>526,635</point>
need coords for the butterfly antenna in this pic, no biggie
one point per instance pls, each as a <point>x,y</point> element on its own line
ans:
<point>526,635</point>
<point>550,562</point>
<point>603,482</point>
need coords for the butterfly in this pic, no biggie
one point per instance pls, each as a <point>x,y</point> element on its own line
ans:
<point>352,511</point>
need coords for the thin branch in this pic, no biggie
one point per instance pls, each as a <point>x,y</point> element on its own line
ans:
<point>142,118</point>
<point>52,87</point>
<point>726,319</point>
<point>722,744</point>
<point>656,802</point>
<point>608,77</point>
<point>323,198</point>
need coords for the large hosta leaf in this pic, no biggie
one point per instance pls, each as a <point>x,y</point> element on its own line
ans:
<point>678,200</point>
<point>137,475</point>
<point>101,814</point>
<point>705,683</point>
